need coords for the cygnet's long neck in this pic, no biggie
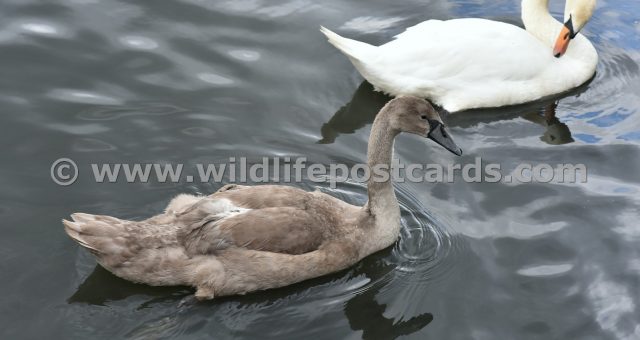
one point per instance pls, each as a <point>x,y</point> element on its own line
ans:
<point>382,199</point>
<point>539,22</point>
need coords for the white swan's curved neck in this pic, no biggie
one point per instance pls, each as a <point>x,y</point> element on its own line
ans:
<point>539,22</point>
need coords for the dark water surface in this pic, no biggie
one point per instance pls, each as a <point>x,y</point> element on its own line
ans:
<point>199,81</point>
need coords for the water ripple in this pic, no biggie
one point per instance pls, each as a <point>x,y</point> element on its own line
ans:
<point>245,55</point>
<point>426,249</point>
<point>109,112</point>
<point>545,270</point>
<point>84,97</point>
<point>139,42</point>
<point>92,145</point>
<point>215,79</point>
<point>371,24</point>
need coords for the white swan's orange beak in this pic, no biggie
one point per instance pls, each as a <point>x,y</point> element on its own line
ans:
<point>562,43</point>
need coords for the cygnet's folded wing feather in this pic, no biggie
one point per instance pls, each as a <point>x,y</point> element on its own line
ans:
<point>280,230</point>
<point>268,218</point>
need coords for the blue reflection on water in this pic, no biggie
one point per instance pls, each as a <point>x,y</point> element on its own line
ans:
<point>586,115</point>
<point>623,190</point>
<point>587,138</point>
<point>631,136</point>
<point>610,119</point>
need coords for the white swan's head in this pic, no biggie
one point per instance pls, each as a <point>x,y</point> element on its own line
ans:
<point>576,14</point>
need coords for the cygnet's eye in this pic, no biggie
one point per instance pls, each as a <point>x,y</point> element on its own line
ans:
<point>424,117</point>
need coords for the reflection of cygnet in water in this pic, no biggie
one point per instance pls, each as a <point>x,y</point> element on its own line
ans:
<point>366,314</point>
<point>360,111</point>
<point>557,132</point>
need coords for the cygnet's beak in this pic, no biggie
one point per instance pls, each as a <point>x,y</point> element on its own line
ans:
<point>440,135</point>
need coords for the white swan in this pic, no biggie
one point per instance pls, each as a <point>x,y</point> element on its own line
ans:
<point>461,64</point>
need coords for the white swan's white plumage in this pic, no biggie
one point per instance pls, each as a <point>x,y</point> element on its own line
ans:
<point>474,63</point>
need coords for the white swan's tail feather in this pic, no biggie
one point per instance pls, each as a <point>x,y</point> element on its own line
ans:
<point>352,48</point>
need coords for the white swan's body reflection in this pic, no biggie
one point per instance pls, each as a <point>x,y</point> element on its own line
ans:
<point>366,102</point>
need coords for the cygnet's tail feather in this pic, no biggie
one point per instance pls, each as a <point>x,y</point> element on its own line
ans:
<point>144,252</point>
<point>74,231</point>
<point>100,234</point>
<point>352,48</point>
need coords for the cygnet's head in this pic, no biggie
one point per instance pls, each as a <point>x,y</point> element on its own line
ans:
<point>415,115</point>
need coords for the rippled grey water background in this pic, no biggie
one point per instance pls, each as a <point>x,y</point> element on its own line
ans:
<point>198,81</point>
